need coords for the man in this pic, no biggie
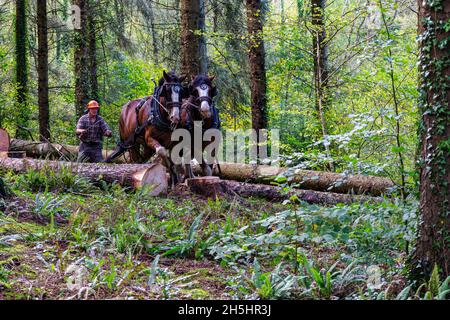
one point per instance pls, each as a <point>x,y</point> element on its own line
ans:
<point>90,129</point>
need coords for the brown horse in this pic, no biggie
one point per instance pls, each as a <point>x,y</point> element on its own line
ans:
<point>149,122</point>
<point>200,107</point>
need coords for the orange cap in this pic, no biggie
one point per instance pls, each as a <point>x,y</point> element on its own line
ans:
<point>93,105</point>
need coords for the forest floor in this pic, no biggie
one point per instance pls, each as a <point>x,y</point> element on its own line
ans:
<point>64,238</point>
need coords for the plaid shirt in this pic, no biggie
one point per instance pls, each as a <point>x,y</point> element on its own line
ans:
<point>94,131</point>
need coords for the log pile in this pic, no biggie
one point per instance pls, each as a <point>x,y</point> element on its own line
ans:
<point>155,176</point>
<point>242,179</point>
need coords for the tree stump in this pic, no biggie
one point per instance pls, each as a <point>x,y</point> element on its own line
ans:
<point>207,186</point>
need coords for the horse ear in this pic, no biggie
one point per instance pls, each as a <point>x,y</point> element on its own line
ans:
<point>193,78</point>
<point>182,79</point>
<point>166,76</point>
<point>211,78</point>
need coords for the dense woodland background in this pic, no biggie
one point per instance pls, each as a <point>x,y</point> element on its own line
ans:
<point>345,82</point>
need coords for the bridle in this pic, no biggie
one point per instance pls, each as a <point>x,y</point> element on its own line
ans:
<point>198,101</point>
<point>170,104</point>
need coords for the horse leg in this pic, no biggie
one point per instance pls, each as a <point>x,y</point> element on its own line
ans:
<point>162,153</point>
<point>206,168</point>
<point>135,154</point>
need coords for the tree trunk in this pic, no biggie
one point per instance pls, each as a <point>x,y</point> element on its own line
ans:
<point>202,42</point>
<point>433,243</point>
<point>320,54</point>
<point>277,194</point>
<point>306,179</point>
<point>81,60</point>
<point>54,151</point>
<point>92,35</point>
<point>154,175</point>
<point>257,64</point>
<point>190,42</point>
<point>128,175</point>
<point>314,180</point>
<point>21,68</point>
<point>44,112</point>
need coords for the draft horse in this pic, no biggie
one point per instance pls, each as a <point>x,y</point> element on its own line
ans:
<point>150,121</point>
<point>200,107</point>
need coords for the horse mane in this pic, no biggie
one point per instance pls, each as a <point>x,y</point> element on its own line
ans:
<point>201,79</point>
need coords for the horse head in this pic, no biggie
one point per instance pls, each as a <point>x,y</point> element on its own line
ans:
<point>173,93</point>
<point>203,91</point>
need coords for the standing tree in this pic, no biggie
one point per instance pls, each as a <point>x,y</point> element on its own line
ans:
<point>86,85</point>
<point>44,126</point>
<point>320,57</point>
<point>257,64</point>
<point>81,60</point>
<point>433,244</point>
<point>92,36</point>
<point>203,50</point>
<point>21,68</point>
<point>190,39</point>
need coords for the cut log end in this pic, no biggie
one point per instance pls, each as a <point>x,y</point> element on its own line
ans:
<point>210,187</point>
<point>154,178</point>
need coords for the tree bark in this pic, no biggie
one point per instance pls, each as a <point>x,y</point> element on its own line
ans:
<point>21,68</point>
<point>92,36</point>
<point>305,179</point>
<point>433,243</point>
<point>44,112</point>
<point>154,175</point>
<point>277,194</point>
<point>81,60</point>
<point>203,55</point>
<point>320,54</point>
<point>190,42</point>
<point>128,175</point>
<point>257,64</point>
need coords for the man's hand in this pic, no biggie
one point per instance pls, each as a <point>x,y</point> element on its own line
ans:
<point>80,131</point>
<point>108,133</point>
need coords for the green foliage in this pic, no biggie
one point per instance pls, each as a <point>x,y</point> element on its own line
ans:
<point>46,179</point>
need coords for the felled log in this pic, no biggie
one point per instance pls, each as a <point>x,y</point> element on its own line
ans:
<point>54,151</point>
<point>154,175</point>
<point>277,194</point>
<point>213,187</point>
<point>305,179</point>
<point>302,179</point>
<point>128,175</point>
